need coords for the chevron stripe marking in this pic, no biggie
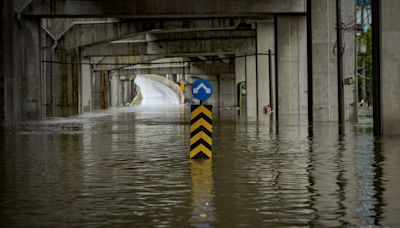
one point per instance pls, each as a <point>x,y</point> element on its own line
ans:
<point>199,110</point>
<point>201,142</point>
<point>201,129</point>
<point>201,135</point>
<point>199,123</point>
<point>201,116</point>
<point>200,148</point>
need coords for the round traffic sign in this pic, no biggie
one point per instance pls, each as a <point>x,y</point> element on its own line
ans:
<point>202,89</point>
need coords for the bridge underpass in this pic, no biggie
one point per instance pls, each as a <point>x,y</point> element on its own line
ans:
<point>80,59</point>
<point>47,42</point>
<point>75,50</point>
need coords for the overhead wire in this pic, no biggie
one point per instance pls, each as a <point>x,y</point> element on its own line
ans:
<point>156,63</point>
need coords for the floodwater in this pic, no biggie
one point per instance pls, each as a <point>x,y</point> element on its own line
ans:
<point>129,167</point>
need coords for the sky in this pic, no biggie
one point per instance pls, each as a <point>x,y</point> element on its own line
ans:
<point>366,1</point>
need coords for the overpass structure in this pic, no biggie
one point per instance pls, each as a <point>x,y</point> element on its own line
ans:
<point>70,54</point>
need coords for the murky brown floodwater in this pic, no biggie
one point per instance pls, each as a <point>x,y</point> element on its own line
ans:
<point>131,168</point>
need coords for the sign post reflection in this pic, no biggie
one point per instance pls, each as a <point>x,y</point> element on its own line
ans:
<point>203,210</point>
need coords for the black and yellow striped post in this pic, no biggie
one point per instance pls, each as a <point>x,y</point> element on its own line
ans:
<point>201,131</point>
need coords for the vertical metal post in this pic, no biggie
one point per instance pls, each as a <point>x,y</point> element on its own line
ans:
<point>376,66</point>
<point>339,27</point>
<point>310,95</point>
<point>270,76</point>
<point>276,69</point>
<point>257,92</point>
<point>53,83</point>
<point>363,42</point>
<point>245,79</point>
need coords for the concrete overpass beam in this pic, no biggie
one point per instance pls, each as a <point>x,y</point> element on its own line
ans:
<point>173,47</point>
<point>168,8</point>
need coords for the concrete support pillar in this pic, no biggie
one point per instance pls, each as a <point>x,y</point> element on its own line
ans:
<point>265,43</point>
<point>227,92</point>
<point>86,86</point>
<point>245,71</point>
<point>324,66</point>
<point>29,66</point>
<point>214,99</point>
<point>63,79</point>
<point>254,71</point>
<point>292,64</point>
<point>100,90</point>
<point>251,92</point>
<point>239,80</point>
<point>115,88</point>
<point>20,78</point>
<point>349,67</point>
<point>2,65</point>
<point>125,84</point>
<point>390,67</point>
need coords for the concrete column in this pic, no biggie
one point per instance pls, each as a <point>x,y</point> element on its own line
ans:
<point>20,79</point>
<point>390,67</point>
<point>325,84</point>
<point>214,99</point>
<point>3,31</point>
<point>121,89</point>
<point>29,65</point>
<point>239,78</point>
<point>100,90</point>
<point>265,42</point>
<point>292,64</point>
<point>115,87</point>
<point>349,66</point>
<point>227,92</point>
<point>250,72</point>
<point>245,70</point>
<point>85,86</point>
<point>239,70</point>
<point>126,91</point>
<point>65,80</point>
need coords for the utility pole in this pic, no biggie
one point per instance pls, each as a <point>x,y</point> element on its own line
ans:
<point>363,79</point>
<point>339,30</point>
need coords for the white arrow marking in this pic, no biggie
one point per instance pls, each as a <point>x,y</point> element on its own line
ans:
<point>196,90</point>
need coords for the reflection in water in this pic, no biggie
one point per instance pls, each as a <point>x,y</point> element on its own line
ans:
<point>377,182</point>
<point>202,193</point>
<point>130,167</point>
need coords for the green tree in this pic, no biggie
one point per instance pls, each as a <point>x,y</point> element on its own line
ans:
<point>365,38</point>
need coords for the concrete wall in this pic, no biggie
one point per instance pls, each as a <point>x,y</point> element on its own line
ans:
<point>292,64</point>
<point>325,83</point>
<point>390,66</point>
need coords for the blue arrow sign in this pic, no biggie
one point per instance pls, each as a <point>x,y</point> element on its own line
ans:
<point>202,89</point>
